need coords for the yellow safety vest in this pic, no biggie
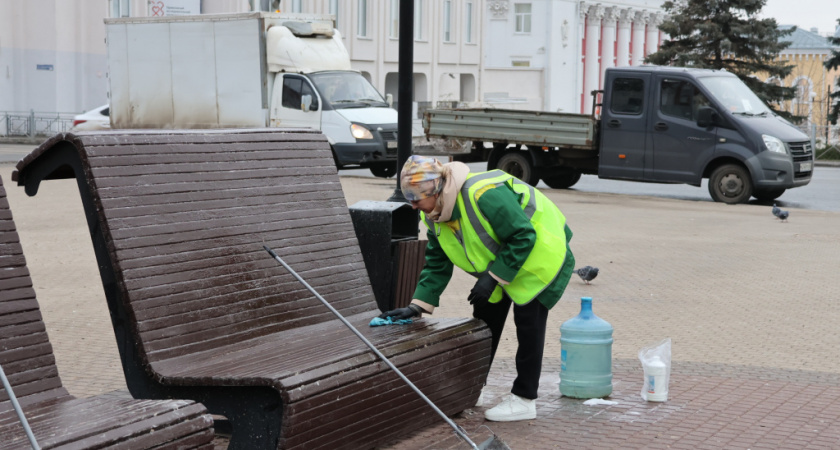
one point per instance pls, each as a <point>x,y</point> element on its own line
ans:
<point>471,244</point>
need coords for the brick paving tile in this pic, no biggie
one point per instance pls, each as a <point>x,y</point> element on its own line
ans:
<point>759,446</point>
<point>685,445</point>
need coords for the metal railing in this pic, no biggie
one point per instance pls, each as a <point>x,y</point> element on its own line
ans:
<point>31,124</point>
<point>825,140</point>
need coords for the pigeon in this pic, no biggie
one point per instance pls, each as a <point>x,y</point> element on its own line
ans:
<point>783,215</point>
<point>776,210</point>
<point>587,273</point>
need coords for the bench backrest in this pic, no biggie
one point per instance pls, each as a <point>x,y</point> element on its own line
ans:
<point>25,351</point>
<point>185,216</point>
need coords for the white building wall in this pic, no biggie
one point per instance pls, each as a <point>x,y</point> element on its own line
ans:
<point>557,45</point>
<point>52,55</point>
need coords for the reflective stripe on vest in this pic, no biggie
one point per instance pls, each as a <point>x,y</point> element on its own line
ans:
<point>472,244</point>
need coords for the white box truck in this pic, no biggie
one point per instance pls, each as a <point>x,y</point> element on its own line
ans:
<point>249,70</point>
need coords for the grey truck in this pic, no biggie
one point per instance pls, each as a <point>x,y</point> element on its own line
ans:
<point>655,124</point>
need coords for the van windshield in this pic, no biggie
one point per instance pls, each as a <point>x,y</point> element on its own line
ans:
<point>346,90</point>
<point>735,96</point>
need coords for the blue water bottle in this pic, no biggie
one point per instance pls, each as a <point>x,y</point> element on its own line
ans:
<point>586,354</point>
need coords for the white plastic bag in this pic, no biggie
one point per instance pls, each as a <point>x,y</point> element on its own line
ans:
<point>656,362</point>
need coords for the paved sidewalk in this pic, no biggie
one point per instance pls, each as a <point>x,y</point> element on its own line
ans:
<point>749,302</point>
<point>709,407</point>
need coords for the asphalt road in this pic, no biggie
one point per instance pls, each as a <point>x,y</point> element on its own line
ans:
<point>821,194</point>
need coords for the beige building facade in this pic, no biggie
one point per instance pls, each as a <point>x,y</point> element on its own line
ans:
<point>807,53</point>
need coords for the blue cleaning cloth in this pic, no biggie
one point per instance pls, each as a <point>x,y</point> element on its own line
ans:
<point>377,322</point>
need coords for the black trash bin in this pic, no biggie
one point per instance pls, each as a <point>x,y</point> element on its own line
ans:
<point>387,234</point>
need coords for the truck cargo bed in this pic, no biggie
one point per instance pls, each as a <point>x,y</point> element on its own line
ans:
<point>533,128</point>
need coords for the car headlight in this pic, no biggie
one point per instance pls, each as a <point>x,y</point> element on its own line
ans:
<point>773,143</point>
<point>360,132</point>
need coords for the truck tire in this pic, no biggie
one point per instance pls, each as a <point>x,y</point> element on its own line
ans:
<point>768,195</point>
<point>517,164</point>
<point>562,178</point>
<point>384,170</point>
<point>731,184</point>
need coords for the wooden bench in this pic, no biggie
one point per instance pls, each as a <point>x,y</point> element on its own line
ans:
<point>178,221</point>
<point>59,420</point>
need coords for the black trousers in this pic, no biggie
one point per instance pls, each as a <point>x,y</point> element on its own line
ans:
<point>530,321</point>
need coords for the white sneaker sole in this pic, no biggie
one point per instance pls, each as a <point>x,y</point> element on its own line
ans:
<point>512,417</point>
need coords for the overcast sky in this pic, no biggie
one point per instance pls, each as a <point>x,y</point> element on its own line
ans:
<point>805,14</point>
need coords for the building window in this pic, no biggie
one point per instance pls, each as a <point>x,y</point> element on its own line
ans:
<point>447,21</point>
<point>334,10</point>
<point>468,25</point>
<point>419,7</point>
<point>521,63</point>
<point>523,17</point>
<point>121,8</point>
<point>296,6</point>
<point>395,19</point>
<point>361,26</point>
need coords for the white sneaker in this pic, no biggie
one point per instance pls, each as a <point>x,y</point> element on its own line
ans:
<point>482,399</point>
<point>512,408</point>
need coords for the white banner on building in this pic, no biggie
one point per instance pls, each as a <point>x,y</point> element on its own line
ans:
<point>161,8</point>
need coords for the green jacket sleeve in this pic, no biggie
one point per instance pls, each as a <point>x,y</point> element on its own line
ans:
<point>501,207</point>
<point>436,273</point>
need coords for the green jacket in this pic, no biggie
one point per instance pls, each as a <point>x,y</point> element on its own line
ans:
<point>501,208</point>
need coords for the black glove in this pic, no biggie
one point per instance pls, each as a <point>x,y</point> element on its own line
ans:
<point>408,312</point>
<point>483,289</point>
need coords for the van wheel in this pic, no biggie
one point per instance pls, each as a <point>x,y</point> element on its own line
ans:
<point>730,183</point>
<point>768,195</point>
<point>518,165</point>
<point>562,178</point>
<point>384,170</point>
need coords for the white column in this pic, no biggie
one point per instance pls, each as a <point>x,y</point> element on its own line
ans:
<point>639,22</point>
<point>608,41</point>
<point>652,43</point>
<point>622,56</point>
<point>555,62</point>
<point>583,9</point>
<point>591,64</point>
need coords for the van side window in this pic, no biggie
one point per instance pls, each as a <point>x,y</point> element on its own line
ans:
<point>680,98</point>
<point>627,96</point>
<point>294,88</point>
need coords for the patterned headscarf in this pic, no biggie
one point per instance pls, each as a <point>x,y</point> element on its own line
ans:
<point>421,177</point>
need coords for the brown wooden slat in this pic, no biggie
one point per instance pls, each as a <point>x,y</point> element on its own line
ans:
<point>412,256</point>
<point>297,360</point>
<point>287,148</point>
<point>217,182</point>
<point>213,159</point>
<point>99,421</point>
<point>241,294</point>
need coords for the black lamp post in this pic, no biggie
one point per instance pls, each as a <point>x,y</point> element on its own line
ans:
<point>405,91</point>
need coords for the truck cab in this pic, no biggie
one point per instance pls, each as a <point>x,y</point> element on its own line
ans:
<point>314,86</point>
<point>678,125</point>
<point>358,122</point>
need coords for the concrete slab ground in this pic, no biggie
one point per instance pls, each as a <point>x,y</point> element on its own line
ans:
<point>750,303</point>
